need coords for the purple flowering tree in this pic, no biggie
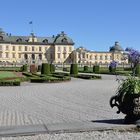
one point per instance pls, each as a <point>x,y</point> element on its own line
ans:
<point>112,66</point>
<point>134,58</point>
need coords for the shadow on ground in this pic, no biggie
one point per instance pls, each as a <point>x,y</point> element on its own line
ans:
<point>111,121</point>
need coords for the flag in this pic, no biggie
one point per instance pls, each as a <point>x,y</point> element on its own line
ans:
<point>30,22</point>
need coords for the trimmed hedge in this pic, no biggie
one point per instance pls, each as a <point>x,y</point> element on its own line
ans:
<point>25,68</point>
<point>9,83</point>
<point>45,69</point>
<point>96,69</point>
<point>74,69</point>
<point>137,71</point>
<point>90,77</point>
<point>86,68</point>
<point>112,69</point>
<point>52,68</point>
<point>50,79</point>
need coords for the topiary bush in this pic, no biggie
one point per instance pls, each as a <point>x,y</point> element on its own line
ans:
<point>137,71</point>
<point>52,68</point>
<point>112,69</point>
<point>45,69</point>
<point>74,69</point>
<point>96,69</point>
<point>25,68</point>
<point>86,68</point>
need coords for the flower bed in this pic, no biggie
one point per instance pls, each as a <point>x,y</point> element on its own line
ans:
<point>89,77</point>
<point>15,82</point>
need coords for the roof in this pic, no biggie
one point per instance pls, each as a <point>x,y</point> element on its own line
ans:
<point>60,39</point>
<point>116,47</point>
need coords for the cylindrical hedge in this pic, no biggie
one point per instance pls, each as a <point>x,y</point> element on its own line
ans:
<point>137,71</point>
<point>96,69</point>
<point>24,68</point>
<point>112,69</point>
<point>86,68</point>
<point>74,69</point>
<point>52,68</point>
<point>45,69</point>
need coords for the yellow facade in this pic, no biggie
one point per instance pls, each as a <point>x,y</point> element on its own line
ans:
<point>56,49</point>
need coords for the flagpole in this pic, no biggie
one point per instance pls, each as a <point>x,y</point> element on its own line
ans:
<point>31,23</point>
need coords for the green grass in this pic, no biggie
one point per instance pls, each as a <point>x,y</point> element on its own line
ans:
<point>7,74</point>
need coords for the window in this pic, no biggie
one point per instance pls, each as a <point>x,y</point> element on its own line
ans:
<point>65,49</point>
<point>106,57</point>
<point>25,56</point>
<point>58,55</point>
<point>40,49</point>
<point>0,47</point>
<point>7,48</point>
<point>64,55</point>
<point>96,57</point>
<point>64,40</point>
<point>45,41</point>
<point>19,48</point>
<point>1,38</point>
<point>110,57</point>
<point>83,55</point>
<point>70,49</point>
<point>7,55</point>
<point>19,40</point>
<point>87,55</point>
<point>19,55</point>
<point>40,56</point>
<point>0,54</point>
<point>59,49</point>
<point>25,48</point>
<point>90,57</point>
<point>33,56</point>
<point>33,48</point>
<point>13,48</point>
<point>101,57</point>
<point>13,55</point>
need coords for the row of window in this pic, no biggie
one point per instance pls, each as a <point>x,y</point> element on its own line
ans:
<point>101,57</point>
<point>7,48</point>
<point>19,55</point>
<point>64,49</point>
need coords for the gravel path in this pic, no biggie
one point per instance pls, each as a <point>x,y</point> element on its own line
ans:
<point>77,100</point>
<point>96,135</point>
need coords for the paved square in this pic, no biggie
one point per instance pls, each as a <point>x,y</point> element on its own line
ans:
<point>77,100</point>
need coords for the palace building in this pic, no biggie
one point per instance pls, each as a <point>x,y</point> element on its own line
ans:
<point>57,49</point>
<point>33,49</point>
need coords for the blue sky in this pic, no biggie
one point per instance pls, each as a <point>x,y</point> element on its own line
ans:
<point>93,24</point>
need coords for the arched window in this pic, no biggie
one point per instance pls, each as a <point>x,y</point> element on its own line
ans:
<point>64,40</point>
<point>40,56</point>
<point>25,56</point>
<point>19,40</point>
<point>45,41</point>
<point>1,38</point>
<point>33,56</point>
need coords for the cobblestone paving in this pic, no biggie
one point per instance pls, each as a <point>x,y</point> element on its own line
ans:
<point>77,100</point>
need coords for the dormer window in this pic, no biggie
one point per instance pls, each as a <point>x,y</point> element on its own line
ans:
<point>45,41</point>
<point>19,40</point>
<point>1,38</point>
<point>64,40</point>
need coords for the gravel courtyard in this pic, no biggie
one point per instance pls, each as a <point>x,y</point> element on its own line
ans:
<point>74,101</point>
<point>77,100</point>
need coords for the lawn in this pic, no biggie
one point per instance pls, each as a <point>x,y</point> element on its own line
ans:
<point>8,74</point>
